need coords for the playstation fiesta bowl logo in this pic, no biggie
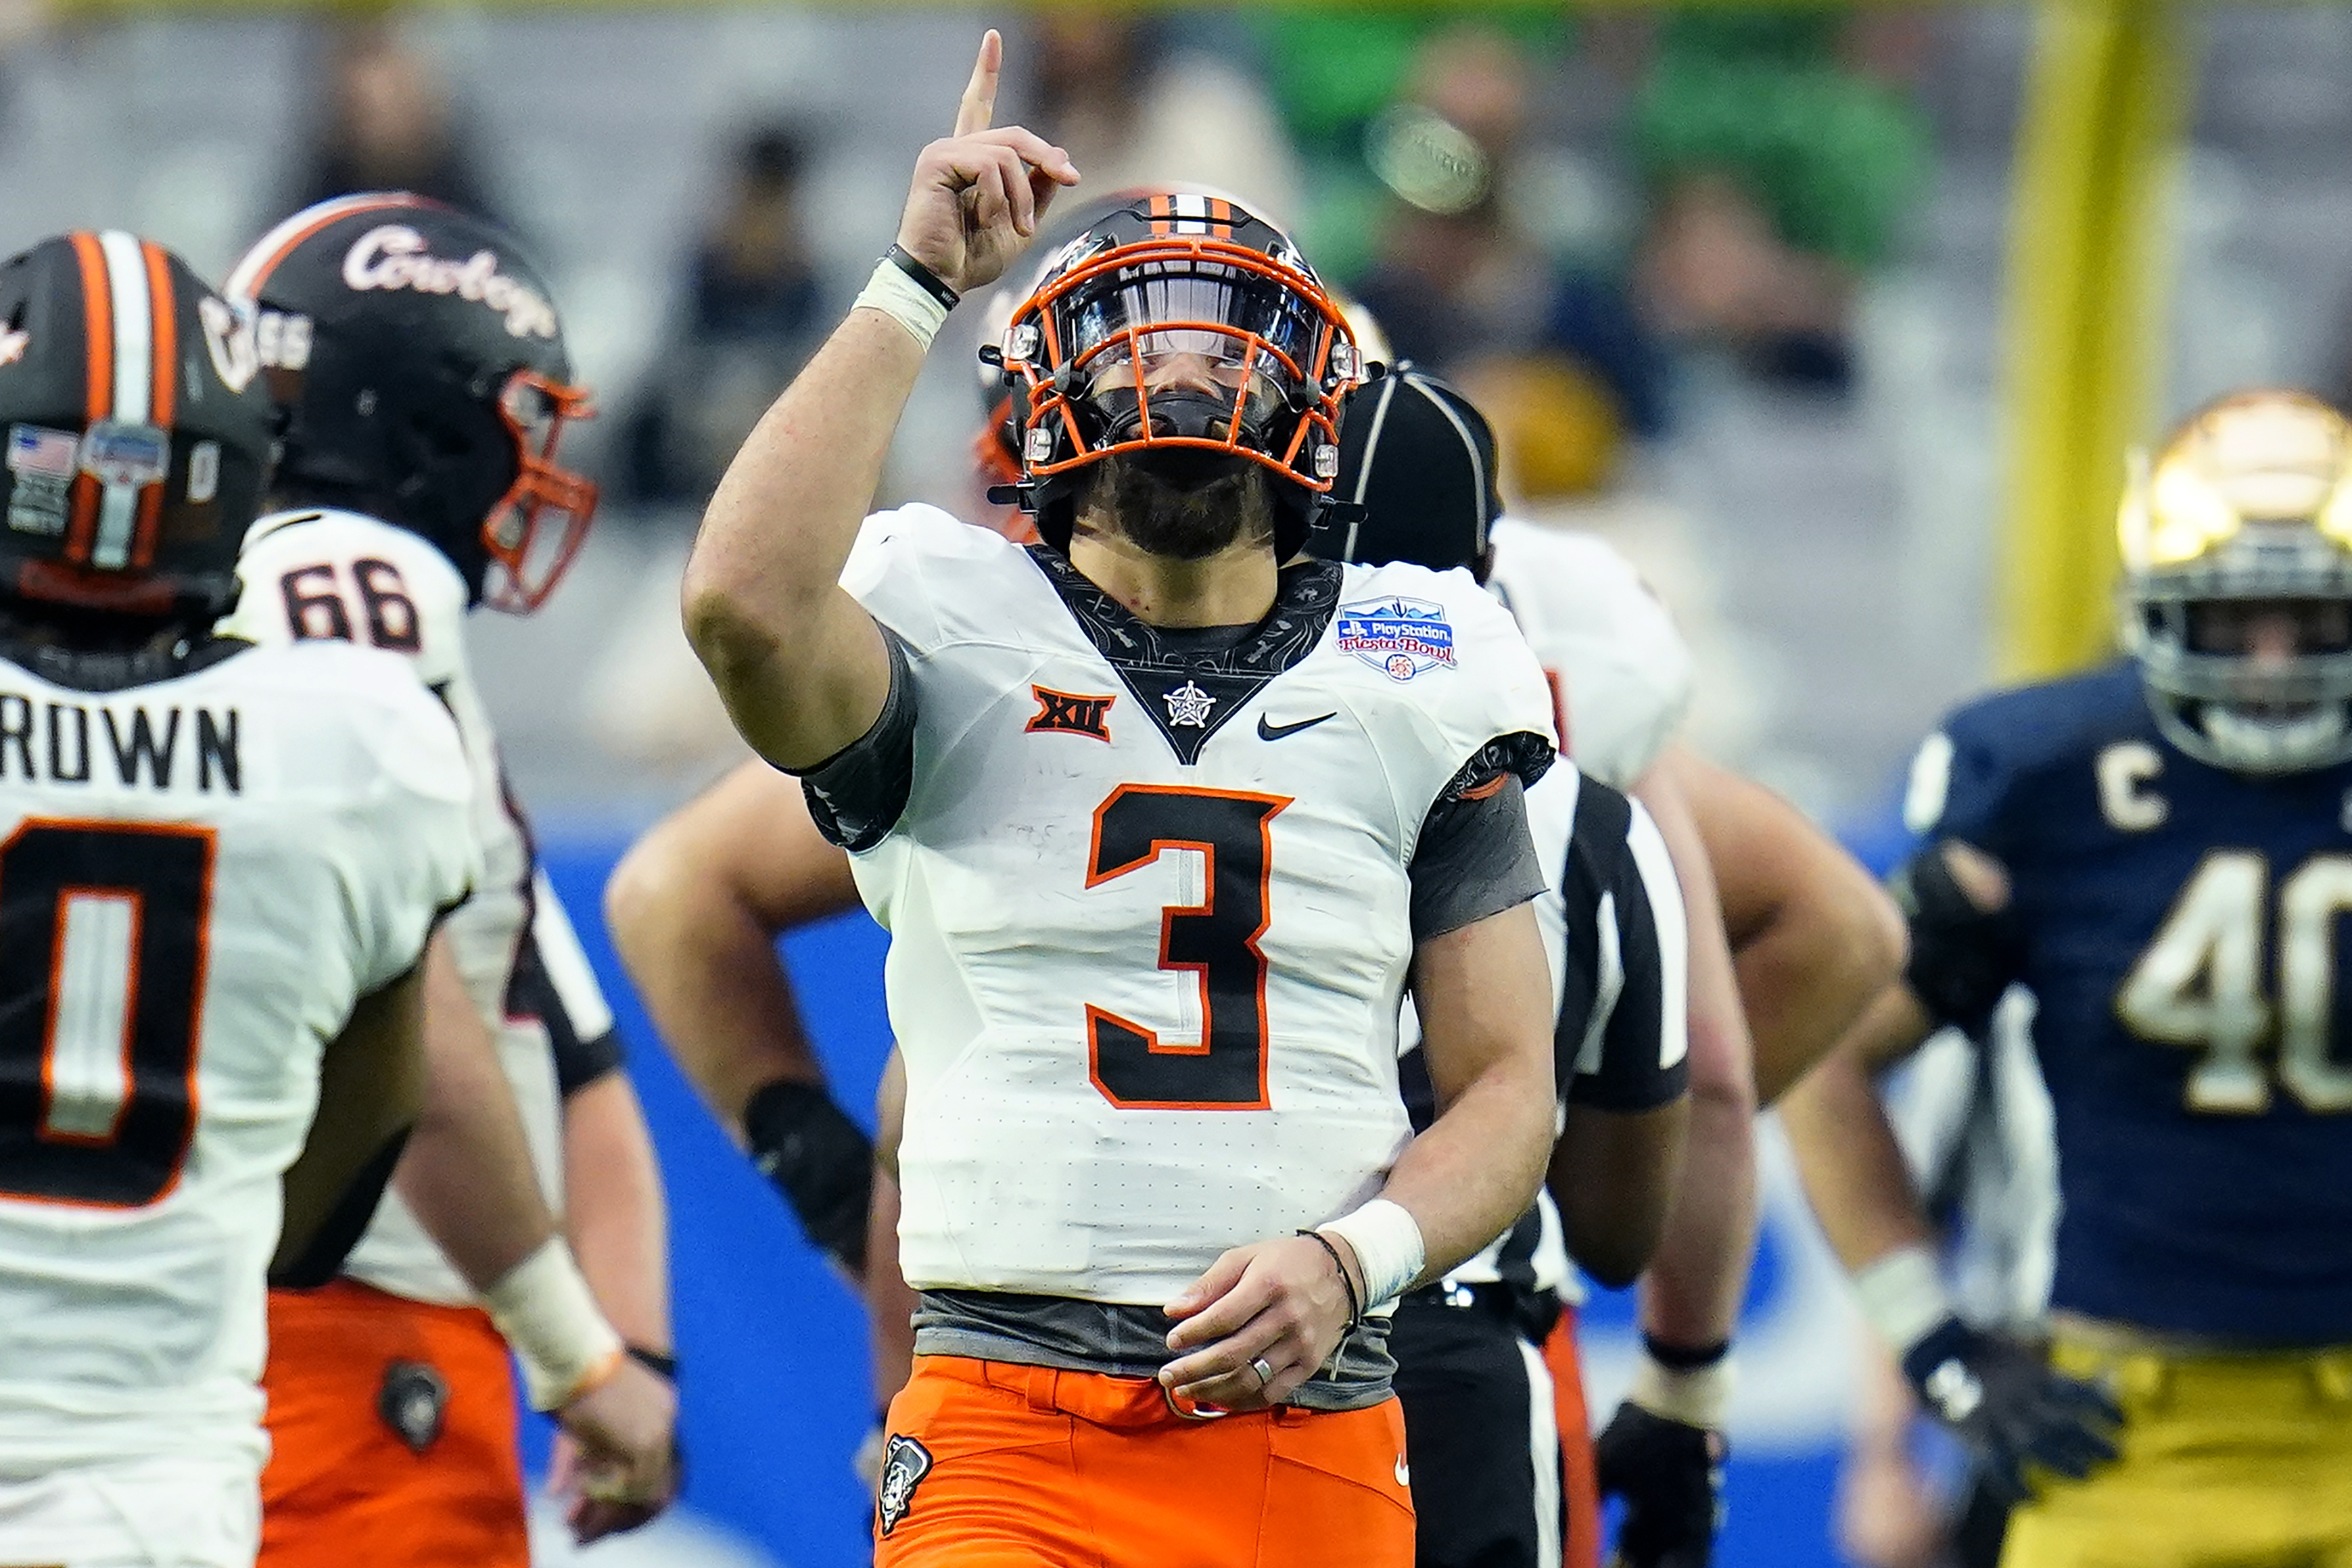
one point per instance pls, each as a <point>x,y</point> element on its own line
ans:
<point>1398,637</point>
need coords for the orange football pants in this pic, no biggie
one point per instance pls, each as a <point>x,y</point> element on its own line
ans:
<point>343,1487</point>
<point>1579,1486</point>
<point>1026,1467</point>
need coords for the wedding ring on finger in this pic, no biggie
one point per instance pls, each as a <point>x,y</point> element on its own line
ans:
<point>1265,1371</point>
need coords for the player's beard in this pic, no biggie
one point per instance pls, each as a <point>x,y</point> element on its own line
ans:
<point>1182,503</point>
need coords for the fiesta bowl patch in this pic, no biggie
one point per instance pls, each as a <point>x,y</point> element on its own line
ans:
<point>1398,637</point>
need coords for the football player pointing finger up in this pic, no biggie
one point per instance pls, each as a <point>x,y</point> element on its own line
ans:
<point>1161,821</point>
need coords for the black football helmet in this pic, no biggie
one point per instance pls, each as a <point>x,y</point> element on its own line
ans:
<point>138,445</point>
<point>1179,274</point>
<point>420,357</point>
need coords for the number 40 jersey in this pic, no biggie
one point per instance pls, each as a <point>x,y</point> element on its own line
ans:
<point>200,874</point>
<point>2181,928</point>
<point>1153,900</point>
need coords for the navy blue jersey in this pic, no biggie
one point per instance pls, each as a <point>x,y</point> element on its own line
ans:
<point>2178,926</point>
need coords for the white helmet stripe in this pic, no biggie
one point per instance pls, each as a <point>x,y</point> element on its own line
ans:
<point>134,364</point>
<point>134,343</point>
<point>271,247</point>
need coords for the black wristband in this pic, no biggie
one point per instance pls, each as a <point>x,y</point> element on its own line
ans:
<point>1355,1302</point>
<point>660,1361</point>
<point>929,282</point>
<point>1686,1358</point>
<point>822,1162</point>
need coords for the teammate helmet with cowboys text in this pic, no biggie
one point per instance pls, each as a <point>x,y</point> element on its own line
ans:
<point>421,357</point>
<point>137,442</point>
<point>2248,507</point>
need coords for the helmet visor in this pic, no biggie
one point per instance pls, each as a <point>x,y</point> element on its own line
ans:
<point>1238,323</point>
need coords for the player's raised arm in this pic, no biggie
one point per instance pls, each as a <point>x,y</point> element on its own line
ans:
<point>802,669</point>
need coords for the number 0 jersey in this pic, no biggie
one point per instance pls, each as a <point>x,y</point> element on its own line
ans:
<point>199,877</point>
<point>2178,926</point>
<point>1149,904</point>
<point>317,575</point>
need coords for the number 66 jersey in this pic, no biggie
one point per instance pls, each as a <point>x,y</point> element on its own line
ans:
<point>1153,894</point>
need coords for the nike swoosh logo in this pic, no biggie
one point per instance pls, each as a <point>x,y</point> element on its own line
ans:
<point>1276,731</point>
<point>1403,1472</point>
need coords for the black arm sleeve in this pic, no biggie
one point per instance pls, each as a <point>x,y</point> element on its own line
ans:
<point>1962,958</point>
<point>1618,1046</point>
<point>531,992</point>
<point>1475,856</point>
<point>856,794</point>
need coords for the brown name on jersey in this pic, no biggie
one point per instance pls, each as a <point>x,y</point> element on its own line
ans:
<point>71,743</point>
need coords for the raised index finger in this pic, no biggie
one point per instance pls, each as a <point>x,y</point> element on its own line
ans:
<point>979,105</point>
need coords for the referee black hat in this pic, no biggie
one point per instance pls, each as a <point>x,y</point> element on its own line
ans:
<point>1416,477</point>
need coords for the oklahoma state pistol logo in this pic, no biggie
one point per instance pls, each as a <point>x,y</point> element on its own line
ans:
<point>1074,713</point>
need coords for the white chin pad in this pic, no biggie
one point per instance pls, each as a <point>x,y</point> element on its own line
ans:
<point>2277,745</point>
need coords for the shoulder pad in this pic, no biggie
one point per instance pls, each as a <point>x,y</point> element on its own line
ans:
<point>1452,652</point>
<point>1963,774</point>
<point>1622,668</point>
<point>375,697</point>
<point>890,568</point>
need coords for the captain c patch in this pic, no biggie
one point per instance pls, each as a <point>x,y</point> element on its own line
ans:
<point>905,1463</point>
<point>1070,712</point>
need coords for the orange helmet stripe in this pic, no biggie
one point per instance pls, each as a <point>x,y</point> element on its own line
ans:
<point>162,303</point>
<point>98,350</point>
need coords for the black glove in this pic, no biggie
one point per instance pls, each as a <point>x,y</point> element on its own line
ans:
<point>820,1160</point>
<point>2004,1401</point>
<point>1671,1477</point>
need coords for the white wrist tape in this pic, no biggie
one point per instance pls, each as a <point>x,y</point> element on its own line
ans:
<point>1387,1246</point>
<point>904,300</point>
<point>548,1314</point>
<point>1695,1397</point>
<point>1902,1294</point>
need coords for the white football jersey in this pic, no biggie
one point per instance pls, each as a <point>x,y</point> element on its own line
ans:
<point>312,575</point>
<point>1147,947</point>
<point>198,879</point>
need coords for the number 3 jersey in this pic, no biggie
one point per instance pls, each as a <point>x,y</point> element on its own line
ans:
<point>314,576</point>
<point>200,874</point>
<point>1150,898</point>
<point>2179,928</point>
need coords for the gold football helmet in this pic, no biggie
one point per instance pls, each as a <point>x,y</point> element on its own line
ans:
<point>2236,554</point>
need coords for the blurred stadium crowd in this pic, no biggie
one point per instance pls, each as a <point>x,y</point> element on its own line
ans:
<point>1729,277</point>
